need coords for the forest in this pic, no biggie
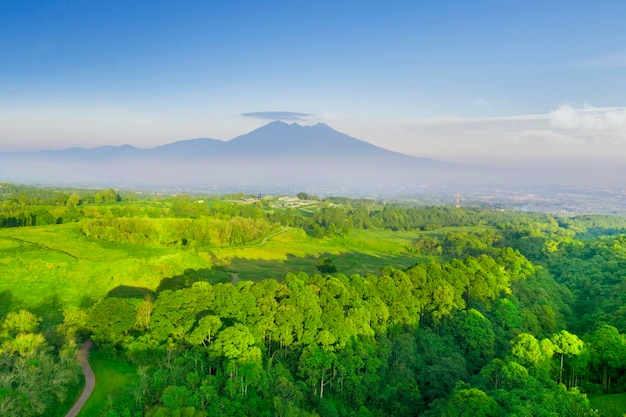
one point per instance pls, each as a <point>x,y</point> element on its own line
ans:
<point>235,305</point>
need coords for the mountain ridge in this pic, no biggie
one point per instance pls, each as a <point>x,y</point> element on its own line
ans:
<point>263,141</point>
<point>275,155</point>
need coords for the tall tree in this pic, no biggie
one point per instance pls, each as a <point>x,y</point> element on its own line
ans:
<point>608,352</point>
<point>566,344</point>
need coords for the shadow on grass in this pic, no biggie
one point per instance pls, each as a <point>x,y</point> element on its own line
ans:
<point>7,301</point>
<point>185,280</point>
<point>347,263</point>
<point>125,291</point>
<point>51,310</point>
<point>212,276</point>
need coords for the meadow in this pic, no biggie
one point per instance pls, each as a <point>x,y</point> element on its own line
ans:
<point>57,264</point>
<point>361,252</point>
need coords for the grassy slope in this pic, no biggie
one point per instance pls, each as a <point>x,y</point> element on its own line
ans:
<point>60,263</point>
<point>612,405</point>
<point>362,251</point>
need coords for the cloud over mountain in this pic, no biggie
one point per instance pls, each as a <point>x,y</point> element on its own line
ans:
<point>279,115</point>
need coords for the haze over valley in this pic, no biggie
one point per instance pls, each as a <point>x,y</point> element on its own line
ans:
<point>281,157</point>
<point>276,155</point>
<point>476,94</point>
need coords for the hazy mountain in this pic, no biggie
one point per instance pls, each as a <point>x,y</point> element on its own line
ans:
<point>280,139</point>
<point>192,148</point>
<point>272,156</point>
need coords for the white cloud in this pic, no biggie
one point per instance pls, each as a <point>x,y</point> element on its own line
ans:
<point>567,136</point>
<point>480,102</point>
<point>279,115</point>
<point>609,61</point>
<point>596,125</point>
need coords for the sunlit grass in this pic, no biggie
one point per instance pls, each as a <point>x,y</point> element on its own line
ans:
<point>59,262</point>
<point>362,251</point>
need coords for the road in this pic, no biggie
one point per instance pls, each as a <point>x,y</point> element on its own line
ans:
<point>90,379</point>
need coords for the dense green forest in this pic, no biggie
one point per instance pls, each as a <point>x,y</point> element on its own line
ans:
<point>238,306</point>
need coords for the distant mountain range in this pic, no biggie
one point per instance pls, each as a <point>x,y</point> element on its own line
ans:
<point>277,155</point>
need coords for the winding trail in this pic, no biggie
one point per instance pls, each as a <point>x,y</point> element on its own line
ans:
<point>38,245</point>
<point>235,278</point>
<point>90,379</point>
<point>283,229</point>
<point>234,275</point>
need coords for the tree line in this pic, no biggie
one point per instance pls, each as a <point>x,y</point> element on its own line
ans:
<point>205,231</point>
<point>478,336</point>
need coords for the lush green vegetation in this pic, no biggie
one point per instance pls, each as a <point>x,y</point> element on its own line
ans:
<point>235,306</point>
<point>612,405</point>
<point>113,377</point>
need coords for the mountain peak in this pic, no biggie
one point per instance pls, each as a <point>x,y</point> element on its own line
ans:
<point>281,123</point>
<point>295,125</point>
<point>295,140</point>
<point>321,125</point>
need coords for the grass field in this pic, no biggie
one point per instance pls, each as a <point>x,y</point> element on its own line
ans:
<point>112,379</point>
<point>612,405</point>
<point>58,265</point>
<point>362,251</point>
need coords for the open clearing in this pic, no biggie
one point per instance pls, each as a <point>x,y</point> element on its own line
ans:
<point>57,264</point>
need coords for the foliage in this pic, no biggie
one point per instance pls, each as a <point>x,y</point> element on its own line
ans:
<point>326,266</point>
<point>34,377</point>
<point>422,311</point>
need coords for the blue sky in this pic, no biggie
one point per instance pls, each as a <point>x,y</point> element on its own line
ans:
<point>496,82</point>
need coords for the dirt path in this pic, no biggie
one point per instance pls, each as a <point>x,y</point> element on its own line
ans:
<point>38,245</point>
<point>234,275</point>
<point>283,229</point>
<point>90,379</point>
